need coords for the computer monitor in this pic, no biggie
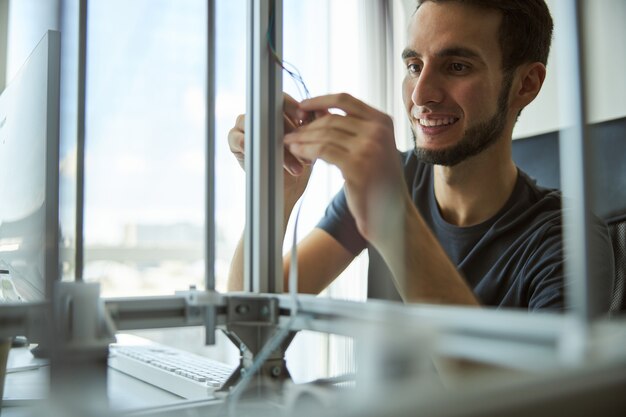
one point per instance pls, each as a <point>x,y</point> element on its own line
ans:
<point>29,175</point>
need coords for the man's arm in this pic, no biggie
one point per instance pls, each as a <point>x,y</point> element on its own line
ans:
<point>235,274</point>
<point>422,270</point>
<point>320,260</point>
<point>320,257</point>
<point>361,144</point>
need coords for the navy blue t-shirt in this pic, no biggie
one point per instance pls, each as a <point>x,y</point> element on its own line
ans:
<point>514,259</point>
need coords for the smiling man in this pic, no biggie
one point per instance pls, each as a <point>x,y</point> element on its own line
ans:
<point>453,221</point>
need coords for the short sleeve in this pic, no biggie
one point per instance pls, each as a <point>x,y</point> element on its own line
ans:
<point>339,223</point>
<point>546,270</point>
<point>545,273</point>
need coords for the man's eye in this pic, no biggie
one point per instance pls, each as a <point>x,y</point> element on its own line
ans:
<point>413,68</point>
<point>458,67</point>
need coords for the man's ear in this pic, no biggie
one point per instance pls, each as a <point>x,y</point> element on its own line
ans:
<point>529,80</point>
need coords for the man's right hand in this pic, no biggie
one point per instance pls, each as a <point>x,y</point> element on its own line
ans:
<point>314,275</point>
<point>297,171</point>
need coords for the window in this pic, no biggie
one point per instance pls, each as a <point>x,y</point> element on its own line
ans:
<point>145,141</point>
<point>144,162</point>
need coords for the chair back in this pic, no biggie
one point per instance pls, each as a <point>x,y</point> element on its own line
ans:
<point>617,229</point>
<point>538,156</point>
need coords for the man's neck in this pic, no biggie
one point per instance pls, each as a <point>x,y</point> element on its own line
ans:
<point>476,189</point>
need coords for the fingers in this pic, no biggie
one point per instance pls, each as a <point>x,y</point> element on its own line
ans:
<point>291,164</point>
<point>342,101</point>
<point>350,125</point>
<point>312,132</point>
<point>348,131</point>
<point>290,108</point>
<point>289,125</point>
<point>236,142</point>
<point>330,144</point>
<point>333,152</point>
<point>346,141</point>
<point>236,139</point>
<point>240,123</point>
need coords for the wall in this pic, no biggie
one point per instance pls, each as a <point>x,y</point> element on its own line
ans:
<point>604,61</point>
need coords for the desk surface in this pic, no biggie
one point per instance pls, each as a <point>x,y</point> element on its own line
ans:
<point>30,387</point>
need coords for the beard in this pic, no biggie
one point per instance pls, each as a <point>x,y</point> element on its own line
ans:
<point>475,139</point>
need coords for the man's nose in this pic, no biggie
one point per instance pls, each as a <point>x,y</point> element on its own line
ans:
<point>428,88</point>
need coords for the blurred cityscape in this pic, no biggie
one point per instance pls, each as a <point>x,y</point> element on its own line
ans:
<point>154,259</point>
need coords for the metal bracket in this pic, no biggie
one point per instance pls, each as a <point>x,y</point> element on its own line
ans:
<point>202,305</point>
<point>251,321</point>
<point>252,311</point>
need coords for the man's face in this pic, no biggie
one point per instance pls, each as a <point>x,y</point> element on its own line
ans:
<point>455,93</point>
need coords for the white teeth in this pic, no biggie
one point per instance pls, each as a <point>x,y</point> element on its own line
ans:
<point>436,122</point>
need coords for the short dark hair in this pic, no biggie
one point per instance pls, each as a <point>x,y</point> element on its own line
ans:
<point>525,31</point>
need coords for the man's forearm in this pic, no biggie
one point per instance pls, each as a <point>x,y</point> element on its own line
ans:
<point>235,275</point>
<point>422,270</point>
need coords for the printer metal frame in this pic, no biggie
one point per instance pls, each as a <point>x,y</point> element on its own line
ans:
<point>512,339</point>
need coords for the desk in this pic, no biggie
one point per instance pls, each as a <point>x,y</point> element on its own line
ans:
<point>26,389</point>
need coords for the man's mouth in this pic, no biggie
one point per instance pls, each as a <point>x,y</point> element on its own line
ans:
<point>446,121</point>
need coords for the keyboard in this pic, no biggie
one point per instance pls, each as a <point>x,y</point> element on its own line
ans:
<point>182,373</point>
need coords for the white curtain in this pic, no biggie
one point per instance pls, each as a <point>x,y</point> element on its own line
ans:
<point>364,43</point>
